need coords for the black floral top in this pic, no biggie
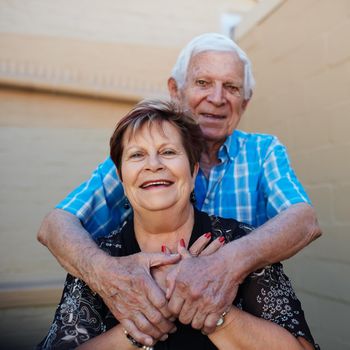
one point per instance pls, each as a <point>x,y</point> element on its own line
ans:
<point>267,293</point>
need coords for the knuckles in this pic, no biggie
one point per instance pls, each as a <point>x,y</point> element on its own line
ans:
<point>160,303</point>
<point>155,317</point>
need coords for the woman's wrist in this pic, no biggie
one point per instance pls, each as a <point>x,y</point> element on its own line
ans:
<point>228,319</point>
<point>135,344</point>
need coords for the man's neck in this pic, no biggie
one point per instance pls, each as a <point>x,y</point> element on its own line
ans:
<point>209,157</point>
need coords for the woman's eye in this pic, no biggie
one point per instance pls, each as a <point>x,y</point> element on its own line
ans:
<point>136,155</point>
<point>168,152</point>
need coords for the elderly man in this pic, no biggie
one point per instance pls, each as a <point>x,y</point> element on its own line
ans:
<point>242,175</point>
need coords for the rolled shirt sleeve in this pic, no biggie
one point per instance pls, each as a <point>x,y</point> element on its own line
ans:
<point>98,202</point>
<point>278,180</point>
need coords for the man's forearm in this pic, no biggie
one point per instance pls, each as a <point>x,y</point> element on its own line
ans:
<point>276,240</point>
<point>63,234</point>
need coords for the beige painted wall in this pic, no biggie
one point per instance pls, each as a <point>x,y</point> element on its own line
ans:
<point>164,23</point>
<point>301,57</point>
<point>49,144</point>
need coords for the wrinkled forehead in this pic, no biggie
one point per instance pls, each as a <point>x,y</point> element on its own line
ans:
<point>215,61</point>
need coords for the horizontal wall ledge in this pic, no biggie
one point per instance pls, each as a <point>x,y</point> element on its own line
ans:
<point>30,294</point>
<point>71,91</point>
<point>112,70</point>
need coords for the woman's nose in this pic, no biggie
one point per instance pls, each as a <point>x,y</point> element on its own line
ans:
<point>154,163</point>
<point>216,95</point>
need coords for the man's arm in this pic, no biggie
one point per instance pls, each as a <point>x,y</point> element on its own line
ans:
<point>205,287</point>
<point>65,237</point>
<point>278,239</point>
<point>124,283</point>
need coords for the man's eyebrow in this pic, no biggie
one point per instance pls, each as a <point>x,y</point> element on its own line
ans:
<point>236,83</point>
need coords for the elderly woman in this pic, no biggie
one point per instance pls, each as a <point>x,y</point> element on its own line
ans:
<point>156,149</point>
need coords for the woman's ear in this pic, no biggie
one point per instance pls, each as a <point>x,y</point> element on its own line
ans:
<point>195,172</point>
<point>173,89</point>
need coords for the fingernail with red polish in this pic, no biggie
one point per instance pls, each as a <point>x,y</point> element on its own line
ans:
<point>207,235</point>
<point>222,239</point>
<point>182,243</point>
<point>163,248</point>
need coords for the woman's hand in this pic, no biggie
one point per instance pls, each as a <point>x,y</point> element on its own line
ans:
<point>201,247</point>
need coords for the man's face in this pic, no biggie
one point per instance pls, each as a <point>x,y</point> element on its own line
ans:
<point>214,93</point>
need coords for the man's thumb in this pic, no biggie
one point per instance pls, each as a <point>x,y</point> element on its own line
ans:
<point>157,259</point>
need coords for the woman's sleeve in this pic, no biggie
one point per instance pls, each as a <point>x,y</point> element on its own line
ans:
<point>79,317</point>
<point>268,294</point>
<point>81,313</point>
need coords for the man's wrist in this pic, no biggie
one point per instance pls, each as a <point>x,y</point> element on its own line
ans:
<point>240,259</point>
<point>92,267</point>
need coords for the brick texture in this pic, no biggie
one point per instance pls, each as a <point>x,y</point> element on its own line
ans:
<point>301,56</point>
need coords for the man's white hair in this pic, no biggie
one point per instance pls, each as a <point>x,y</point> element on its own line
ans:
<point>212,42</point>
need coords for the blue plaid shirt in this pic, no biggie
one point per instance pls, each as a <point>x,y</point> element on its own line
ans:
<point>252,183</point>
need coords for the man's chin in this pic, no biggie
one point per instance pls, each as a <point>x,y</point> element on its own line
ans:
<point>214,138</point>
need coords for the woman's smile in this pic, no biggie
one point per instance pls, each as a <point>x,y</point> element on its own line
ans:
<point>156,184</point>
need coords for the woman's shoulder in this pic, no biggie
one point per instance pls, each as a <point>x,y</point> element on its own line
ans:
<point>231,229</point>
<point>112,243</point>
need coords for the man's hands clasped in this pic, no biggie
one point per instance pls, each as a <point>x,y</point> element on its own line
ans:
<point>146,292</point>
<point>200,288</point>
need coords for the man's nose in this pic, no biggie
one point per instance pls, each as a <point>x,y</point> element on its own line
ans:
<point>217,95</point>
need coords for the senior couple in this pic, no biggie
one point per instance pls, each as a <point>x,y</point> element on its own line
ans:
<point>216,283</point>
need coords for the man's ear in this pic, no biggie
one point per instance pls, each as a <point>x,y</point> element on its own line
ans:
<point>173,89</point>
<point>245,104</point>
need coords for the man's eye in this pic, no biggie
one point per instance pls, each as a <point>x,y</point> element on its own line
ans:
<point>233,89</point>
<point>201,82</point>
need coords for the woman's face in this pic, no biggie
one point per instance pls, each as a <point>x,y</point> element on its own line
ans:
<point>155,168</point>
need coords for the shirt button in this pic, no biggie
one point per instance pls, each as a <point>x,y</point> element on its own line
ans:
<point>206,201</point>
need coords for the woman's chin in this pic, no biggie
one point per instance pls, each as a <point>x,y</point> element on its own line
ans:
<point>158,204</point>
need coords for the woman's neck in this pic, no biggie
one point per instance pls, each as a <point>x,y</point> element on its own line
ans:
<point>165,227</point>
